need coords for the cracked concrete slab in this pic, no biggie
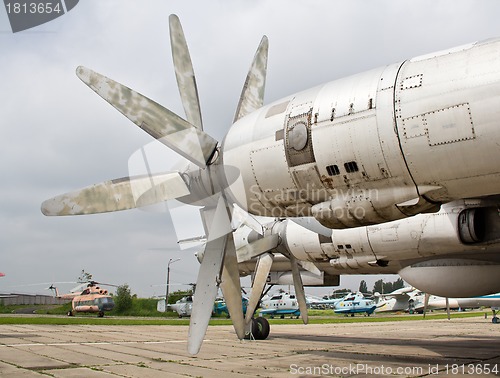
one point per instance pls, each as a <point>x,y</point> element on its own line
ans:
<point>409,348</point>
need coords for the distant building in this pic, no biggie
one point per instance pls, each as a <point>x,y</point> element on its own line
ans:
<point>30,299</point>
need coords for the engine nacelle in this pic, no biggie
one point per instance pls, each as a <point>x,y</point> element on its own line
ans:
<point>454,278</point>
<point>308,279</point>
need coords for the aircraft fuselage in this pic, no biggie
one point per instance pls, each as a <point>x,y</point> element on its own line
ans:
<point>377,146</point>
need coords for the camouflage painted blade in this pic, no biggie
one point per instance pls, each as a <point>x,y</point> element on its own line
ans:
<point>252,95</point>
<point>310,267</point>
<point>258,247</point>
<point>184,73</point>
<point>231,288</point>
<point>261,272</point>
<point>206,291</point>
<point>217,224</point>
<point>159,122</point>
<point>116,195</point>
<point>299,288</point>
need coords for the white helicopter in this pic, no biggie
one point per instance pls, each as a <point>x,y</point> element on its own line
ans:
<point>376,147</point>
<point>280,304</point>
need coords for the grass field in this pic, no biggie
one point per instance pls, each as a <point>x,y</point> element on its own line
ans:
<point>315,317</point>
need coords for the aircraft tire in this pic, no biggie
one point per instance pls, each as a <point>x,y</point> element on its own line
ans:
<point>263,328</point>
<point>101,314</point>
<point>70,313</point>
<point>494,320</point>
<point>254,332</point>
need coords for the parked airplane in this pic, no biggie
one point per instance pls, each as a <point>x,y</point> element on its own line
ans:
<point>398,300</point>
<point>371,148</point>
<point>435,302</point>
<point>184,306</point>
<point>352,303</point>
<point>413,300</point>
<point>355,304</point>
<point>220,306</point>
<point>92,299</point>
<point>280,304</point>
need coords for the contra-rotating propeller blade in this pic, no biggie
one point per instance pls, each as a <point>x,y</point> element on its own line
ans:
<point>252,95</point>
<point>426,302</point>
<point>184,73</point>
<point>231,287</point>
<point>159,122</point>
<point>299,288</point>
<point>217,225</point>
<point>116,195</point>
<point>448,307</point>
<point>261,272</point>
<point>218,222</point>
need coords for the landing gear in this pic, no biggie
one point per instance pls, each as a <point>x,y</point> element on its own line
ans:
<point>495,317</point>
<point>259,329</point>
<point>101,314</point>
<point>70,313</point>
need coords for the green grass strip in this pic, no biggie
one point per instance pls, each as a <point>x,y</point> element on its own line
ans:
<point>315,319</point>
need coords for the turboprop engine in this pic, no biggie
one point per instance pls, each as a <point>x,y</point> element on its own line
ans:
<point>433,252</point>
<point>367,149</point>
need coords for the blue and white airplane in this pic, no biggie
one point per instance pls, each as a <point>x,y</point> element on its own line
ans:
<point>355,304</point>
<point>280,304</point>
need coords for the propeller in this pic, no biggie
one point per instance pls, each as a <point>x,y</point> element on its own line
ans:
<point>203,182</point>
<point>274,238</point>
<point>448,307</point>
<point>426,303</point>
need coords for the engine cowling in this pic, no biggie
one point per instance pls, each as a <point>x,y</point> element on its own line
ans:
<point>454,278</point>
<point>472,225</point>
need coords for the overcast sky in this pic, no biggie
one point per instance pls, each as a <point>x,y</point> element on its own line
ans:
<point>57,135</point>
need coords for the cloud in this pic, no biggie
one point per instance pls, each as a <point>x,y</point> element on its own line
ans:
<point>57,135</point>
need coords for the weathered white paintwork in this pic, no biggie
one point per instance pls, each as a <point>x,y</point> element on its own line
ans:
<point>372,148</point>
<point>430,251</point>
<point>420,132</point>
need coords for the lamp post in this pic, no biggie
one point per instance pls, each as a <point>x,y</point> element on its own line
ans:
<point>171,261</point>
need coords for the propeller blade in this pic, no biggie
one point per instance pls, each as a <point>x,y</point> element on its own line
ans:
<point>448,307</point>
<point>261,272</point>
<point>159,122</point>
<point>240,217</point>
<point>310,267</point>
<point>252,95</point>
<point>207,286</point>
<point>258,247</point>
<point>184,73</point>
<point>313,225</point>
<point>426,302</point>
<point>231,288</point>
<point>116,195</point>
<point>299,288</point>
<point>217,224</point>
